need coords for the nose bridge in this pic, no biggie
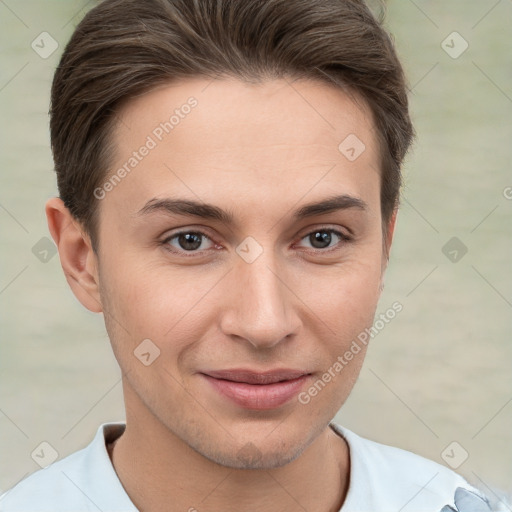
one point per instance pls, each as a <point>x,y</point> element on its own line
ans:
<point>259,309</point>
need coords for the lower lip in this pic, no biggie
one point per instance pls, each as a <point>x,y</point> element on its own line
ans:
<point>258,396</point>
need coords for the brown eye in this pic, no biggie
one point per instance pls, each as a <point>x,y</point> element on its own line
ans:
<point>186,241</point>
<point>323,238</point>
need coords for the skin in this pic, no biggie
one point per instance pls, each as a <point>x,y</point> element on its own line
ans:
<point>261,152</point>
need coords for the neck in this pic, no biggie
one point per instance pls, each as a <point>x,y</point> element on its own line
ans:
<point>157,469</point>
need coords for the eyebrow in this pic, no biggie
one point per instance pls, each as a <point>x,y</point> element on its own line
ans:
<point>209,211</point>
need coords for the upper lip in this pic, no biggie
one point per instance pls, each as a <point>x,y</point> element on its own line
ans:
<point>254,377</point>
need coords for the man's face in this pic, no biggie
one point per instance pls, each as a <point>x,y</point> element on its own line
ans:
<point>268,290</point>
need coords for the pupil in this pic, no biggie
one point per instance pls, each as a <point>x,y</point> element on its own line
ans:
<point>324,238</point>
<point>187,241</point>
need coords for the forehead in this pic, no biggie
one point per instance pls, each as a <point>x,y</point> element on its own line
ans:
<point>207,139</point>
<point>286,111</point>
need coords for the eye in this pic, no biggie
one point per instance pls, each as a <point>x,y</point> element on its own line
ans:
<point>187,241</point>
<point>195,242</point>
<point>321,239</point>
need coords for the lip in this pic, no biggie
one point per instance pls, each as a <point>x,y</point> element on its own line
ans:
<point>257,390</point>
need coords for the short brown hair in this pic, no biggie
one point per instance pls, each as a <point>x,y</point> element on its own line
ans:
<point>122,48</point>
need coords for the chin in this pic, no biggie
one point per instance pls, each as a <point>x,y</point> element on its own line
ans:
<point>251,457</point>
<point>244,451</point>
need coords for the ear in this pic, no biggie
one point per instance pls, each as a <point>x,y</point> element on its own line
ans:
<point>390,231</point>
<point>78,260</point>
<point>386,246</point>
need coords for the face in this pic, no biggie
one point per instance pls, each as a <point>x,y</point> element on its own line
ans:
<point>257,282</point>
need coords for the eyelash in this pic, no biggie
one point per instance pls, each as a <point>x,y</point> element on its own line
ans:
<point>191,254</point>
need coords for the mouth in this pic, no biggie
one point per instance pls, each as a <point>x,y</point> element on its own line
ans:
<point>257,390</point>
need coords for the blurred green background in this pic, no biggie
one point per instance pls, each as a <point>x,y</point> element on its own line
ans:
<point>437,374</point>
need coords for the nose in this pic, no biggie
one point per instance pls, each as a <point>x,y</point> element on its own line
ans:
<point>259,304</point>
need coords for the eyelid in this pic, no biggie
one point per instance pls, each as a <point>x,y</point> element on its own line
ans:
<point>344,232</point>
<point>203,230</point>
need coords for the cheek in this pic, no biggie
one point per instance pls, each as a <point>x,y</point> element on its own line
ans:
<point>345,295</point>
<point>162,304</point>
<point>343,310</point>
<point>360,294</point>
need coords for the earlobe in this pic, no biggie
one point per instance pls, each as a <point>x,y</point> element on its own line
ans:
<point>78,260</point>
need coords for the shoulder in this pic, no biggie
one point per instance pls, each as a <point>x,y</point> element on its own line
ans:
<point>82,481</point>
<point>33,492</point>
<point>388,478</point>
